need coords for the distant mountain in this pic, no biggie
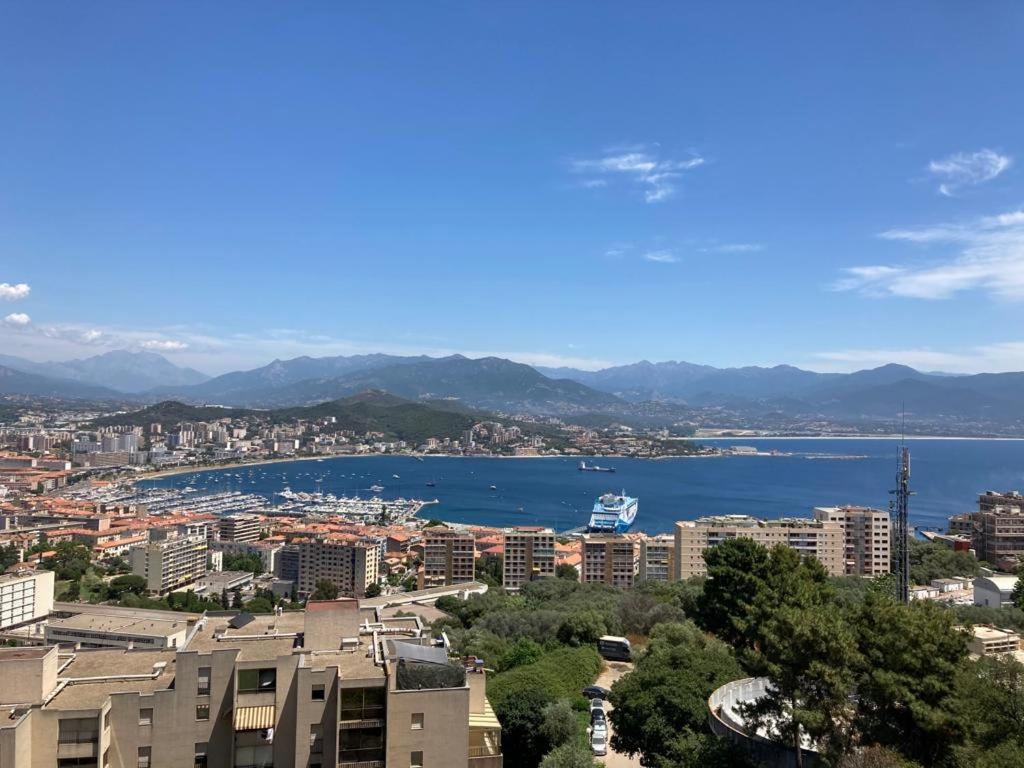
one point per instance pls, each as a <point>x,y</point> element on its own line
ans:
<point>490,382</point>
<point>365,412</point>
<point>122,370</point>
<point>14,382</point>
<point>257,384</point>
<point>638,381</point>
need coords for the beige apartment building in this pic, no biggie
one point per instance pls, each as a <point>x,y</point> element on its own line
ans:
<point>449,557</point>
<point>25,596</point>
<point>239,528</point>
<point>350,565</point>
<point>868,537</point>
<point>609,559</point>
<point>170,563</point>
<point>529,554</point>
<point>811,538</point>
<point>657,558</point>
<point>997,528</point>
<point>336,685</point>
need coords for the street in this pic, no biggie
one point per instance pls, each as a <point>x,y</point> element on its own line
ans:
<point>613,671</point>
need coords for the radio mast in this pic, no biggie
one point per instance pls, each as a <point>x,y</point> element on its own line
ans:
<point>901,523</point>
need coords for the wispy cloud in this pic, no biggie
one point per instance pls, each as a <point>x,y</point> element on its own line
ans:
<point>17,320</point>
<point>733,248</point>
<point>967,169</point>
<point>661,257</point>
<point>14,292</point>
<point>164,345</point>
<point>657,176</point>
<point>994,358</point>
<point>989,257</point>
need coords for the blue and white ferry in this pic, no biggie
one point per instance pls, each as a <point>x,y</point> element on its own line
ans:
<point>613,513</point>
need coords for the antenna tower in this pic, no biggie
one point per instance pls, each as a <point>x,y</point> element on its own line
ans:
<point>901,523</point>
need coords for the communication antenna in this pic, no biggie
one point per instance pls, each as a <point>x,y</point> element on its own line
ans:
<point>900,520</point>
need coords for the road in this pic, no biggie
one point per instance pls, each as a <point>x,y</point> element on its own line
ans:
<point>613,671</point>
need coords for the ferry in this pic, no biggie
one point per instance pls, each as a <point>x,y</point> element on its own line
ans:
<point>584,467</point>
<point>613,513</point>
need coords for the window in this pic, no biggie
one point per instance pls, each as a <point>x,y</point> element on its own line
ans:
<point>257,680</point>
<point>202,711</point>
<point>318,692</point>
<point>78,730</point>
<point>145,717</point>
<point>203,684</point>
<point>200,760</point>
<point>359,745</point>
<point>106,720</point>
<point>316,740</point>
<point>106,758</point>
<point>145,753</point>
<point>416,760</point>
<point>417,721</point>
<point>362,703</point>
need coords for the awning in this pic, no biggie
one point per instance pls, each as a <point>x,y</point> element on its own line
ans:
<point>254,718</point>
<point>485,719</point>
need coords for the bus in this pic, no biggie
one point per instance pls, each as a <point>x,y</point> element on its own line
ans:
<point>614,648</point>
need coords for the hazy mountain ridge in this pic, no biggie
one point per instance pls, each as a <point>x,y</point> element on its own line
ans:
<point>121,370</point>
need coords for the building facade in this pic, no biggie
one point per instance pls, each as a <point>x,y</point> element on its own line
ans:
<point>25,597</point>
<point>810,538</point>
<point>868,538</point>
<point>449,557</point>
<point>609,559</point>
<point>170,563</point>
<point>239,528</point>
<point>529,553</point>
<point>351,566</point>
<point>657,558</point>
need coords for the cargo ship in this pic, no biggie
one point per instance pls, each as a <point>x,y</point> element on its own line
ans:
<point>613,513</point>
<point>584,467</point>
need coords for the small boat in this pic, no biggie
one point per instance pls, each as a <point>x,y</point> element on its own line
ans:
<point>431,483</point>
<point>376,488</point>
<point>396,477</point>
<point>494,487</point>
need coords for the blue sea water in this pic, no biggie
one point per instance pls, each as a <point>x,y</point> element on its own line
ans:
<point>946,476</point>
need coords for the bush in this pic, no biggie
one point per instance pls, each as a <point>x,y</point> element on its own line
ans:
<point>562,673</point>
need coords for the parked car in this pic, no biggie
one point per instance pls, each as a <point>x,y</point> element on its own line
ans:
<point>599,744</point>
<point>595,692</point>
<point>596,708</point>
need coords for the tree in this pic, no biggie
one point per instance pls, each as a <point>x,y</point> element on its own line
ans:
<point>250,562</point>
<point>259,605</point>
<point>9,555</point>
<point>908,662</point>
<point>572,754</point>
<point>737,582</point>
<point>666,695</point>
<point>990,703</point>
<point>582,628</point>
<point>930,560</point>
<point>127,583</point>
<point>523,651</point>
<point>1017,596</point>
<point>559,723</point>
<point>324,590</point>
<point>373,590</point>
<point>236,598</point>
<point>567,571</point>
<point>520,710</point>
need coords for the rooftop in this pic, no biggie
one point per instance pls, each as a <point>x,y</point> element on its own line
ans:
<point>127,624</point>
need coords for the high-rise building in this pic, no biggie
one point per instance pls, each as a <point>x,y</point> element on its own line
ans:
<point>449,557</point>
<point>868,537</point>
<point>25,597</point>
<point>239,528</point>
<point>609,559</point>
<point>811,538</point>
<point>170,563</point>
<point>657,558</point>
<point>996,529</point>
<point>351,565</point>
<point>334,686</point>
<point>529,554</point>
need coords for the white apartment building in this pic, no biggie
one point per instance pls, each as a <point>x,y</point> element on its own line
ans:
<point>351,566</point>
<point>657,558</point>
<point>868,537</point>
<point>25,597</point>
<point>170,563</point>
<point>239,528</point>
<point>529,555</point>
<point>449,557</point>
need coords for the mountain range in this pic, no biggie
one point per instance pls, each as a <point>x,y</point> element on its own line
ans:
<point>666,392</point>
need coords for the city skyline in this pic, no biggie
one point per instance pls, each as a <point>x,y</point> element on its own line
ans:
<point>728,186</point>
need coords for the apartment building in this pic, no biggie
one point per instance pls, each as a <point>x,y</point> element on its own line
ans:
<point>25,597</point>
<point>657,558</point>
<point>868,537</point>
<point>167,564</point>
<point>239,528</point>
<point>351,565</point>
<point>529,554</point>
<point>811,538</point>
<point>335,685</point>
<point>449,557</point>
<point>609,559</point>
<point>997,528</point>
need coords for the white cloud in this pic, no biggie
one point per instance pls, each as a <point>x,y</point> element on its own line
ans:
<point>989,257</point>
<point>164,345</point>
<point>13,292</point>
<point>657,177</point>
<point>661,257</point>
<point>734,248</point>
<point>998,357</point>
<point>17,320</point>
<point>967,169</point>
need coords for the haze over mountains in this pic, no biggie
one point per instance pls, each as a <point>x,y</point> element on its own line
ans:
<point>668,391</point>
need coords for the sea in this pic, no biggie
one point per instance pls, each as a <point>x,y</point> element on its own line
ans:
<point>798,475</point>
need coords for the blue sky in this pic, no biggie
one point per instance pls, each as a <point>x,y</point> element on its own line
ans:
<point>581,183</point>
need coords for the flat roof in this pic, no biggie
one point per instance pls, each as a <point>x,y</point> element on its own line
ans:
<point>113,664</point>
<point>106,624</point>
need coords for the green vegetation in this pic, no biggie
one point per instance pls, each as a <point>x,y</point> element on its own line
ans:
<point>324,590</point>
<point>929,561</point>
<point>251,562</point>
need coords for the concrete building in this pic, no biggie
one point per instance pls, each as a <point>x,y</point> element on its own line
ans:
<point>25,597</point>
<point>996,530</point>
<point>657,558</point>
<point>117,629</point>
<point>811,538</point>
<point>239,528</point>
<point>868,537</point>
<point>286,566</point>
<point>170,563</point>
<point>994,591</point>
<point>609,559</point>
<point>991,641</point>
<point>449,557</point>
<point>334,686</point>
<point>529,554</point>
<point>351,566</point>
